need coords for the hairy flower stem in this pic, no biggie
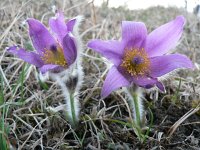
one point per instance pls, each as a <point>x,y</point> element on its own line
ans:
<point>136,108</point>
<point>72,105</point>
<point>135,103</point>
<point>73,112</point>
<point>70,92</point>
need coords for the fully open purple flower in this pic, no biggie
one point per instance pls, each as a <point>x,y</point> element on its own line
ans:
<point>55,51</point>
<point>141,58</point>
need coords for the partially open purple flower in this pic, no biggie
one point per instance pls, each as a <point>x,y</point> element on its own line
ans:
<point>141,58</point>
<point>56,51</point>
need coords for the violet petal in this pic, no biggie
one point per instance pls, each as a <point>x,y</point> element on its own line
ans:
<point>112,49</point>
<point>41,38</point>
<point>134,34</point>
<point>164,38</point>
<point>162,65</point>
<point>51,67</point>
<point>113,81</point>
<point>148,83</point>
<point>160,86</point>
<point>70,24</point>
<point>69,48</point>
<point>29,57</point>
<point>58,26</point>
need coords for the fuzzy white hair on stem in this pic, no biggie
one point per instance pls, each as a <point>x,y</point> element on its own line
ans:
<point>138,95</point>
<point>70,99</point>
<point>79,46</point>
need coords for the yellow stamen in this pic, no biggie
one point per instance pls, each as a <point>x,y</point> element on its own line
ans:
<point>138,68</point>
<point>54,57</point>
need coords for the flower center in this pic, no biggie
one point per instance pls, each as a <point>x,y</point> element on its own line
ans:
<point>136,62</point>
<point>54,56</point>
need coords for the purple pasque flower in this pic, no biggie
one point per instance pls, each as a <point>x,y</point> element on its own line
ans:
<point>54,52</point>
<point>140,58</point>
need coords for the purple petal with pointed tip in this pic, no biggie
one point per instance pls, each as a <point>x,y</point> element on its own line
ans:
<point>112,50</point>
<point>134,34</point>
<point>40,36</point>
<point>69,48</point>
<point>113,81</point>
<point>148,83</point>
<point>58,26</point>
<point>164,38</point>
<point>162,65</point>
<point>70,25</point>
<point>145,82</point>
<point>51,67</point>
<point>160,86</point>
<point>29,57</point>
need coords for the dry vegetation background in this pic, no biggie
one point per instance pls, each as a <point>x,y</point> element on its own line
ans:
<point>26,122</point>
